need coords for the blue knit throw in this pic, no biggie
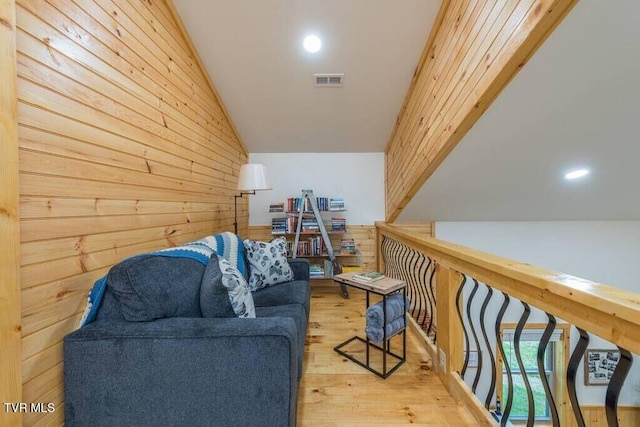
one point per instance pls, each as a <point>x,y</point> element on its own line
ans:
<point>226,244</point>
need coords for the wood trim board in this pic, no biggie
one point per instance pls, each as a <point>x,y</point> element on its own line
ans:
<point>10,311</point>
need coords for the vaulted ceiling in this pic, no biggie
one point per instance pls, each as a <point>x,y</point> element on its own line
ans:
<point>575,104</point>
<point>254,54</point>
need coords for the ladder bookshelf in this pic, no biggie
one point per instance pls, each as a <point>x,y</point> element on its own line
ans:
<point>304,215</point>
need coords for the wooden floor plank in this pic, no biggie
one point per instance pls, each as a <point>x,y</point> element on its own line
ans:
<point>336,392</point>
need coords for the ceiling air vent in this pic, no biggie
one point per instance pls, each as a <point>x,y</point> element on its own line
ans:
<point>328,80</point>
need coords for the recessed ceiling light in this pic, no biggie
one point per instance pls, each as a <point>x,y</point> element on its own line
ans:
<point>579,173</point>
<point>312,43</point>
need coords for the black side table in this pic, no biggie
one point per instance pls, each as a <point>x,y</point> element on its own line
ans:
<point>383,287</point>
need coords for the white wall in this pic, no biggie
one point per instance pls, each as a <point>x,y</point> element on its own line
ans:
<point>356,177</point>
<point>601,251</point>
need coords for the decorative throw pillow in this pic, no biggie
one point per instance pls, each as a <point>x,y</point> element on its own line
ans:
<point>267,263</point>
<point>224,291</point>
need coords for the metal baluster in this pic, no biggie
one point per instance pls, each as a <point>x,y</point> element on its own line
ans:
<point>474,335</point>
<point>615,385</point>
<point>394,248</point>
<point>572,371</point>
<point>523,372</point>
<point>542,347</point>
<point>424,294</point>
<point>483,321</point>
<point>464,330</point>
<point>392,260</point>
<point>507,407</point>
<point>435,305</point>
<point>406,251</point>
<point>410,275</point>
<point>384,252</point>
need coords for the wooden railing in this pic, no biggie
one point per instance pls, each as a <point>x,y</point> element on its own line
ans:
<point>472,292</point>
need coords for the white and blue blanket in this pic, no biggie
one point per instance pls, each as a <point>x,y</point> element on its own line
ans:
<point>226,244</point>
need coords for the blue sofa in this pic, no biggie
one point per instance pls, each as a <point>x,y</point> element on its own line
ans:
<point>183,369</point>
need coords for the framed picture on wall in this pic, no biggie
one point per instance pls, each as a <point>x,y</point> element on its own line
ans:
<point>599,366</point>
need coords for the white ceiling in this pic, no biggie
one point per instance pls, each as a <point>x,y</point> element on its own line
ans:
<point>576,103</point>
<point>253,52</point>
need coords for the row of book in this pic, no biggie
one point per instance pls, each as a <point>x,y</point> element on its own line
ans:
<point>336,204</point>
<point>338,224</point>
<point>323,203</point>
<point>321,271</point>
<point>281,225</point>
<point>347,246</point>
<point>288,225</point>
<point>313,246</point>
<point>276,207</point>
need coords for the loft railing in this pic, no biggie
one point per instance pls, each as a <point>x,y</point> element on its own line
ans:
<point>418,271</point>
<point>503,343</point>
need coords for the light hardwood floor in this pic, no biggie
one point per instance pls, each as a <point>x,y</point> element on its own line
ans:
<point>336,392</point>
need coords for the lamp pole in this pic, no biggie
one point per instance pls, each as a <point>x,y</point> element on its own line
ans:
<point>235,209</point>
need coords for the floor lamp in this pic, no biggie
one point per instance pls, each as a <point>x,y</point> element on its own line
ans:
<point>252,178</point>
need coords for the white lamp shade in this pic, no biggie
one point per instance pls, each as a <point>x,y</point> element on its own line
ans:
<point>253,177</point>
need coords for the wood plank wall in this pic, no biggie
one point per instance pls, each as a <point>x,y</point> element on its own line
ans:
<point>124,148</point>
<point>475,49</point>
<point>364,237</point>
<point>596,416</point>
<point>10,321</point>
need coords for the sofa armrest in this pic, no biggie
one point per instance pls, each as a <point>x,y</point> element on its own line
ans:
<point>300,267</point>
<point>182,371</point>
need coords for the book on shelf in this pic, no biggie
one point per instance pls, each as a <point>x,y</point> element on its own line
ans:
<point>310,225</point>
<point>313,246</point>
<point>368,276</point>
<point>348,246</point>
<point>276,207</point>
<point>288,225</point>
<point>293,204</point>
<point>316,271</point>
<point>278,225</point>
<point>324,204</point>
<point>336,204</point>
<point>338,224</point>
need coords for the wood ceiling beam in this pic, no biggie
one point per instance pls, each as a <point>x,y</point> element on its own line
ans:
<point>475,49</point>
<point>10,312</point>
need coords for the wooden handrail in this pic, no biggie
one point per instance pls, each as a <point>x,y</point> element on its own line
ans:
<point>608,312</point>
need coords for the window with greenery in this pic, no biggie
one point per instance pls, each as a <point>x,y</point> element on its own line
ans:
<point>529,352</point>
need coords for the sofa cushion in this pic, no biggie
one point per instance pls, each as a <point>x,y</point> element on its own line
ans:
<point>152,287</point>
<point>298,314</point>
<point>267,263</point>
<point>294,292</point>
<point>224,291</point>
